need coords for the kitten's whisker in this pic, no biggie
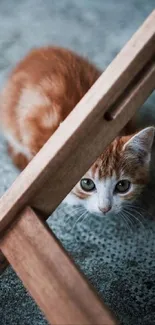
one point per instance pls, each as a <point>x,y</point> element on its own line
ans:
<point>134,206</point>
<point>87,214</point>
<point>129,220</point>
<point>133,216</point>
<point>80,217</point>
<point>79,209</point>
<point>148,229</point>
<point>70,217</point>
<point>140,214</point>
<point>128,216</point>
<point>138,208</point>
<point>126,221</point>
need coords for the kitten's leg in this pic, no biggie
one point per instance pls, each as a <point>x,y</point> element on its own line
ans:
<point>18,158</point>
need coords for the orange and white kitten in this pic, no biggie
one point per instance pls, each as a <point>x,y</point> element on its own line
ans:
<point>117,177</point>
<point>40,93</point>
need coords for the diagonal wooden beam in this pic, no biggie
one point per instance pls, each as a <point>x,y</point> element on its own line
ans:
<point>52,279</point>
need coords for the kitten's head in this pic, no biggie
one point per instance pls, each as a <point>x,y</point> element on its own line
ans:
<point>118,175</point>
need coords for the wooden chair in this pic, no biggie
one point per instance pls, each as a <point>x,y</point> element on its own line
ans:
<point>53,280</point>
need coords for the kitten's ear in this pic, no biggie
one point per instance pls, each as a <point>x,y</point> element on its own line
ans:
<point>141,143</point>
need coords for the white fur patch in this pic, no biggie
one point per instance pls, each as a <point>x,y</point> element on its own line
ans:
<point>31,97</point>
<point>17,146</point>
<point>72,199</point>
<point>105,191</point>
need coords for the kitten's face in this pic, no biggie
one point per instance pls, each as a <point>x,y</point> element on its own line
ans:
<point>117,177</point>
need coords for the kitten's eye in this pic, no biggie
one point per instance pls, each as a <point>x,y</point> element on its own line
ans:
<point>122,186</point>
<point>87,185</point>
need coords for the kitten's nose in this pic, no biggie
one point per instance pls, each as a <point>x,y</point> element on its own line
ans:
<point>105,209</point>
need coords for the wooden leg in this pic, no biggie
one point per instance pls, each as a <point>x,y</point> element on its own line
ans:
<point>3,262</point>
<point>51,277</point>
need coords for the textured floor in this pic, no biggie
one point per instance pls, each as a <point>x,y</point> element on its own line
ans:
<point>117,258</point>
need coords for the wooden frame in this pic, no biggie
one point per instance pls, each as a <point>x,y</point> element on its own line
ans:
<point>29,246</point>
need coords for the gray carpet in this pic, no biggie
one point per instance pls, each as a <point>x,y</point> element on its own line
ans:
<point>118,258</point>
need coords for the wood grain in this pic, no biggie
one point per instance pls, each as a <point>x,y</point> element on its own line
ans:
<point>52,279</point>
<point>84,134</point>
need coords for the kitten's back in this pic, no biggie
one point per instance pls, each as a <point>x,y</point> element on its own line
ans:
<point>41,91</point>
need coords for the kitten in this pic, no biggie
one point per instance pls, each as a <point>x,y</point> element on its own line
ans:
<point>40,93</point>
